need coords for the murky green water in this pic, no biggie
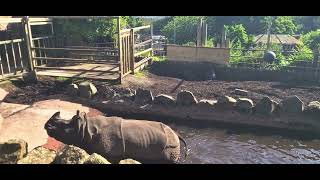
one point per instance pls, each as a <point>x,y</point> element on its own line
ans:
<point>215,146</point>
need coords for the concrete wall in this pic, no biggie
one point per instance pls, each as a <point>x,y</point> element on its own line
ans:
<point>198,54</point>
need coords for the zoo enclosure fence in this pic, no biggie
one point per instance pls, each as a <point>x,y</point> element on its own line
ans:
<point>43,53</point>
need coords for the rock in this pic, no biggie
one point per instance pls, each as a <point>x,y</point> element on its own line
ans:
<point>266,106</point>
<point>12,151</point>
<point>107,92</point>
<point>226,102</point>
<point>71,155</point>
<point>30,77</point>
<point>186,98</point>
<point>313,108</point>
<point>241,92</point>
<point>39,155</point>
<point>73,90</point>
<point>207,103</point>
<point>96,159</point>
<point>129,161</point>
<point>143,97</point>
<point>165,100</point>
<point>87,89</point>
<point>244,104</point>
<point>293,104</point>
<point>3,94</point>
<point>1,121</point>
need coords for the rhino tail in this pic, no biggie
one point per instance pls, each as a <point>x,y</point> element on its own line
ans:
<point>185,144</point>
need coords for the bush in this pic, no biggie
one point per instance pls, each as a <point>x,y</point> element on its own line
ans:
<point>312,39</point>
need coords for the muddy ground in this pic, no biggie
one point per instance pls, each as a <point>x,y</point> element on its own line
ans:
<point>27,94</point>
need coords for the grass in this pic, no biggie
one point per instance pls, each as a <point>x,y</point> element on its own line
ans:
<point>142,73</point>
<point>159,58</point>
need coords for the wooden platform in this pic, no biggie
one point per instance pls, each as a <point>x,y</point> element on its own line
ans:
<point>87,71</point>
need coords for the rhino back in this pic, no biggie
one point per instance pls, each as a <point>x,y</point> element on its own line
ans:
<point>143,139</point>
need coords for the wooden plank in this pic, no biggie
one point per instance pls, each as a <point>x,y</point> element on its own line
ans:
<point>7,58</point>
<point>143,43</point>
<point>40,23</point>
<point>20,55</point>
<point>143,61</point>
<point>91,47</point>
<point>34,19</point>
<point>71,69</point>
<point>14,57</point>
<point>83,17</point>
<point>70,59</point>
<point>1,67</point>
<point>72,49</point>
<point>120,49</point>
<point>132,51</point>
<point>11,41</point>
<point>44,37</point>
<point>140,28</point>
<point>10,20</point>
<point>142,52</point>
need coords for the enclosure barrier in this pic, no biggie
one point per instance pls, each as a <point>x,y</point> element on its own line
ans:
<point>43,53</point>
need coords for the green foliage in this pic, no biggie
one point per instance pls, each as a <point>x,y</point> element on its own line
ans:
<point>93,30</point>
<point>185,27</point>
<point>237,34</point>
<point>210,42</point>
<point>312,39</point>
<point>303,54</point>
<point>284,25</point>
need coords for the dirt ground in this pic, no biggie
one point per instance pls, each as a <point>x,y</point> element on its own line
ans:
<point>28,94</point>
<point>213,89</point>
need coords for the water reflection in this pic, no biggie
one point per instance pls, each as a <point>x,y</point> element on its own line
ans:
<point>213,146</point>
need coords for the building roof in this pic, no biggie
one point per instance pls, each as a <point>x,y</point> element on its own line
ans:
<point>277,39</point>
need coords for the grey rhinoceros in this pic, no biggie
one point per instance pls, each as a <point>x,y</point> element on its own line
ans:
<point>116,138</point>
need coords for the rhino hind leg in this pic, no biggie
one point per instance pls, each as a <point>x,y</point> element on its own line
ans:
<point>172,154</point>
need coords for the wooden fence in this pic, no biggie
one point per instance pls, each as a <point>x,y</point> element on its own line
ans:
<point>130,52</point>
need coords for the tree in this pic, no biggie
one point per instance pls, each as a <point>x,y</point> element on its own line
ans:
<point>185,27</point>
<point>237,34</point>
<point>312,39</point>
<point>284,25</point>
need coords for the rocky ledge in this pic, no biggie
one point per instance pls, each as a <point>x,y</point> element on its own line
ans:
<point>290,114</point>
<point>15,151</point>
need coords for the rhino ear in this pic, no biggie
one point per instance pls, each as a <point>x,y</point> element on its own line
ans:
<point>56,115</point>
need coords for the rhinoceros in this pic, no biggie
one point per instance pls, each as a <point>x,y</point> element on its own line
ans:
<point>116,138</point>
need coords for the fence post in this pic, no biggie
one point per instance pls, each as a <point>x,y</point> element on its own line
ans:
<point>29,42</point>
<point>132,51</point>
<point>315,62</point>
<point>120,49</point>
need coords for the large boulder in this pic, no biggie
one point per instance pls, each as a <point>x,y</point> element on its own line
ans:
<point>292,104</point>
<point>241,92</point>
<point>107,92</point>
<point>205,103</point>
<point>186,98</point>
<point>244,104</point>
<point>313,109</point>
<point>73,90</point>
<point>39,155</point>
<point>96,159</point>
<point>129,161</point>
<point>1,121</point>
<point>71,155</point>
<point>143,97</point>
<point>87,89</point>
<point>12,151</point>
<point>164,100</point>
<point>266,106</point>
<point>3,94</point>
<point>30,77</point>
<point>226,102</point>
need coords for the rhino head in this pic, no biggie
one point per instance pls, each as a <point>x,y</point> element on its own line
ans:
<point>66,131</point>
